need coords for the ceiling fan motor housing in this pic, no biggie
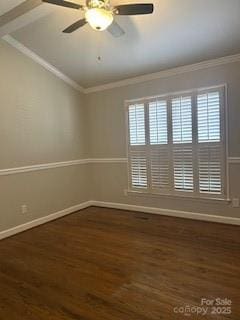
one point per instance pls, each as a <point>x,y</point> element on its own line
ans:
<point>97,3</point>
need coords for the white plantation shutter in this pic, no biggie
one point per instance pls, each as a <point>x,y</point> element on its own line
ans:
<point>137,150</point>
<point>160,168</point>
<point>183,168</point>
<point>159,151</point>
<point>138,165</point>
<point>182,134</point>
<point>209,163</point>
<point>208,113</point>
<point>182,119</point>
<point>137,124</point>
<point>158,122</point>
<point>177,144</point>
<point>210,159</point>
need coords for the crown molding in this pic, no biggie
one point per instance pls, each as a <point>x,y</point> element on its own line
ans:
<point>130,81</point>
<point>166,73</point>
<point>36,58</point>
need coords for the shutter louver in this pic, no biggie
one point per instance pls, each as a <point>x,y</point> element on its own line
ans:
<point>208,106</point>
<point>138,163</point>
<point>160,168</point>
<point>183,168</point>
<point>209,163</point>
<point>182,120</point>
<point>158,122</point>
<point>136,124</point>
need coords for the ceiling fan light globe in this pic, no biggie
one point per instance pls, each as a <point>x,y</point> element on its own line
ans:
<point>99,19</point>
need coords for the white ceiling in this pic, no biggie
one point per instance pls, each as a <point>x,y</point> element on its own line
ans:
<point>178,33</point>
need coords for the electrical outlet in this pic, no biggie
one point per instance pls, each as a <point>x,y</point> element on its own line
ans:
<point>24,209</point>
<point>125,192</point>
<point>235,202</point>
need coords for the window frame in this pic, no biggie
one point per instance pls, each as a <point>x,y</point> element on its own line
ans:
<point>195,145</point>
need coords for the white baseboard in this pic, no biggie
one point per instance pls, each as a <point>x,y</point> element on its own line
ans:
<point>168,212</point>
<point>37,222</point>
<point>121,206</point>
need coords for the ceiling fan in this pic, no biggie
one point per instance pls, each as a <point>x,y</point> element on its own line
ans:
<point>100,14</point>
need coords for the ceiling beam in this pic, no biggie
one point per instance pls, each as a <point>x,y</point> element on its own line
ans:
<point>22,15</point>
<point>18,11</point>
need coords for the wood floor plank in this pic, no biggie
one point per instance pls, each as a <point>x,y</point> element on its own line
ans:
<point>117,265</point>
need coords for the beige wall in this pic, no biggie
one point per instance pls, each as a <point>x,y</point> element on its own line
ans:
<point>41,121</point>
<point>44,120</point>
<point>107,135</point>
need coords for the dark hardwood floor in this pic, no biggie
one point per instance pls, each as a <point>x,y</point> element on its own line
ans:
<point>115,265</point>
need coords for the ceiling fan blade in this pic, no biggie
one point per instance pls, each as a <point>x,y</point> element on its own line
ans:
<point>63,3</point>
<point>78,24</point>
<point>134,9</point>
<point>115,30</point>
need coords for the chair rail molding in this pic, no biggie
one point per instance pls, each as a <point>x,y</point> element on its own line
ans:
<point>53,165</point>
<point>233,160</point>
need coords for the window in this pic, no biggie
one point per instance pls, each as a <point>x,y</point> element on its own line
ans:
<point>177,144</point>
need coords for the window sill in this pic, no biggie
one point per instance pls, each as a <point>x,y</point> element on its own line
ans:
<point>179,196</point>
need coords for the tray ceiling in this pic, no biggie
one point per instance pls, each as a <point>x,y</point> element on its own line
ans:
<point>178,33</point>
